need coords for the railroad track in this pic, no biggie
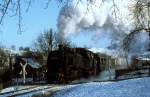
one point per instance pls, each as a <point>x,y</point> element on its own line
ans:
<point>17,90</point>
<point>20,92</point>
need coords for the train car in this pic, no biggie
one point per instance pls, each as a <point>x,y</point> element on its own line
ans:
<point>68,64</point>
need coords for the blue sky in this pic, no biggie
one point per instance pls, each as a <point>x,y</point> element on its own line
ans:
<point>37,20</point>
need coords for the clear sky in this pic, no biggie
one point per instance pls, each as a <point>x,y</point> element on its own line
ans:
<point>34,22</point>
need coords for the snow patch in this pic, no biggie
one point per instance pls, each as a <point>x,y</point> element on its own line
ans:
<point>129,88</point>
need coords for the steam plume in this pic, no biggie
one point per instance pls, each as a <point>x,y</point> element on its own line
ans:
<point>100,16</point>
<point>96,15</point>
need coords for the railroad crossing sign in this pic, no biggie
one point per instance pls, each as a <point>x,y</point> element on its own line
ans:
<point>23,71</point>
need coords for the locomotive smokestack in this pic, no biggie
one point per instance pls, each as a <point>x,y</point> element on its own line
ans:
<point>61,47</point>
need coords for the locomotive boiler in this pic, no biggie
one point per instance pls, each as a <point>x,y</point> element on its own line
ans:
<point>67,64</point>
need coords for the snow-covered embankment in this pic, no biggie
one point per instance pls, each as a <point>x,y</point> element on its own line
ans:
<point>128,88</point>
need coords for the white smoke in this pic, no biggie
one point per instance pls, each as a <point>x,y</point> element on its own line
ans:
<point>140,43</point>
<point>97,15</point>
<point>101,17</point>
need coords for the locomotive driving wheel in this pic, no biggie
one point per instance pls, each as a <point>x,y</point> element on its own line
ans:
<point>61,78</point>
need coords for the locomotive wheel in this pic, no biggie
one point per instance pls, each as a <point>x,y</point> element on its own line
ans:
<point>61,78</point>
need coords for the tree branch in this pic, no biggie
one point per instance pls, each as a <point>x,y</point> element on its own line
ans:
<point>5,10</point>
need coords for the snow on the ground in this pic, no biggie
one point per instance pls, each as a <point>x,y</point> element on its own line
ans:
<point>13,88</point>
<point>128,88</point>
<point>139,87</point>
<point>8,89</point>
<point>29,91</point>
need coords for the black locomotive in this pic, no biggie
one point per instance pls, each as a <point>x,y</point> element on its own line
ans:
<point>68,64</point>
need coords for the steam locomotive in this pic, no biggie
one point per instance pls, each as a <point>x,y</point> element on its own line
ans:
<point>67,64</point>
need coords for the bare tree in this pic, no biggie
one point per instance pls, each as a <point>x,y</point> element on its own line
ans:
<point>126,43</point>
<point>141,13</point>
<point>46,42</point>
<point>3,57</point>
<point>4,62</point>
<point>141,16</point>
<point>49,41</point>
<point>13,8</point>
